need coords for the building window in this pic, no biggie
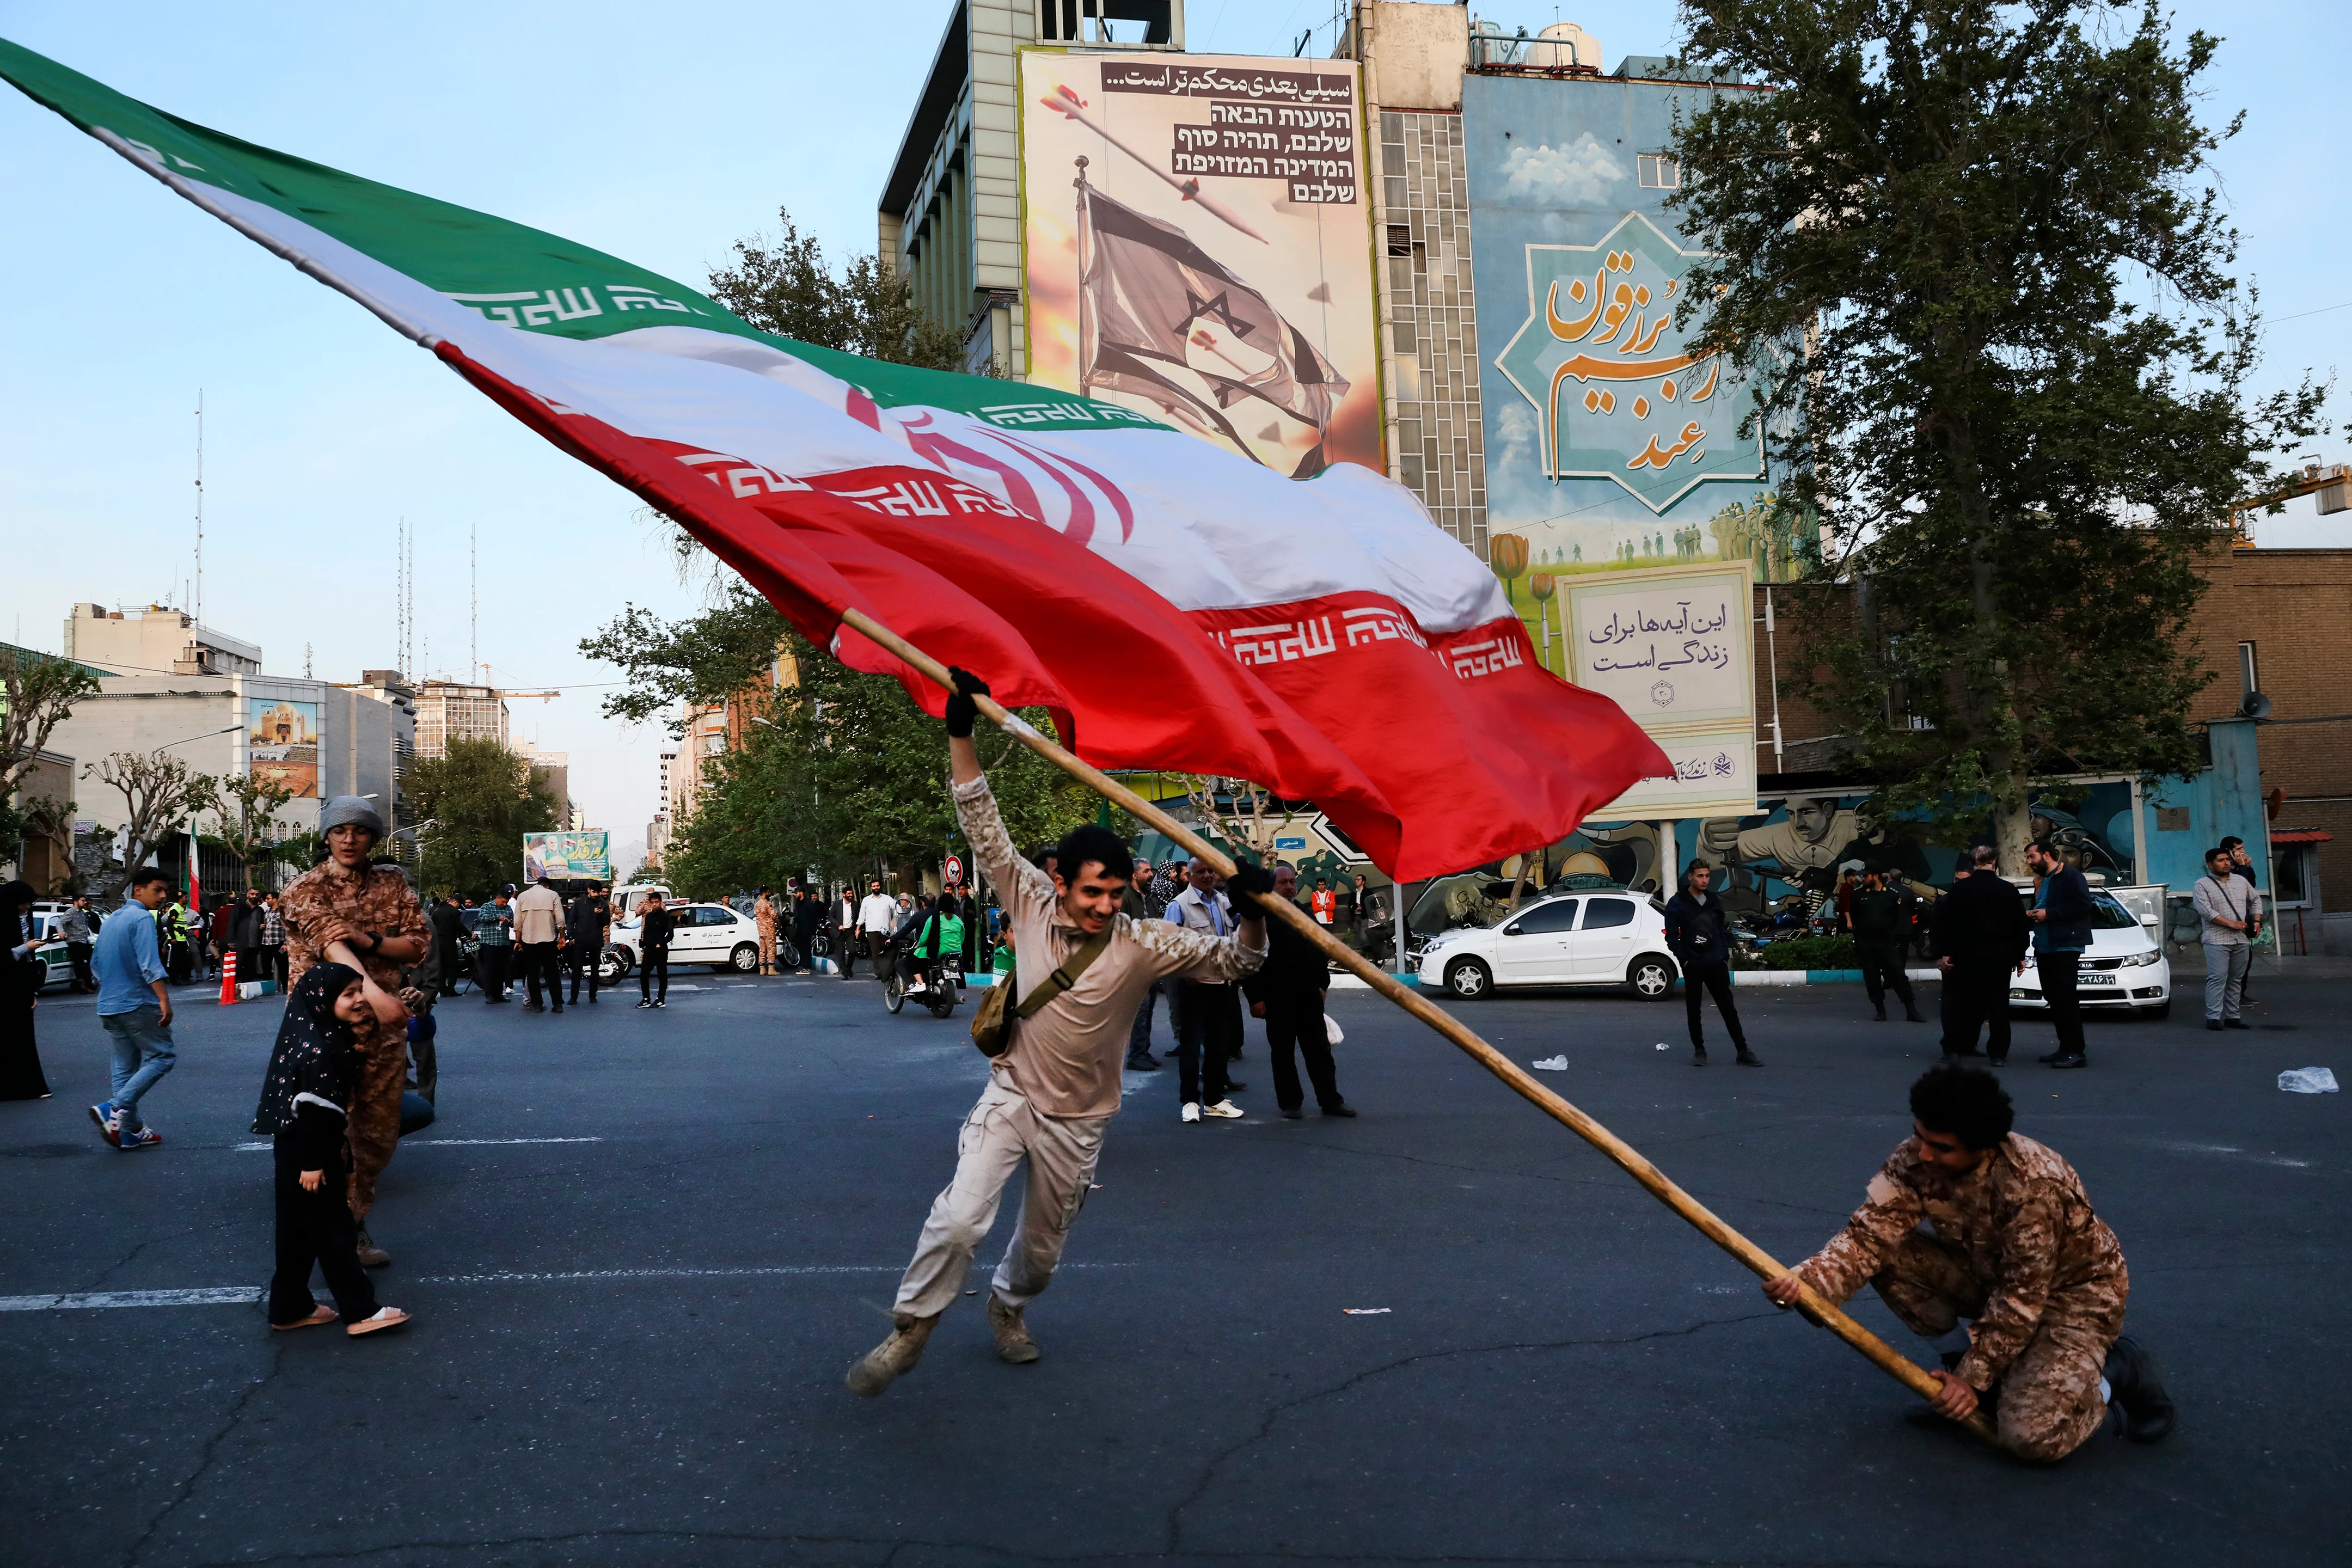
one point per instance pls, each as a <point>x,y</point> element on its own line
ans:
<point>1659,171</point>
<point>2289,883</point>
<point>2250,674</point>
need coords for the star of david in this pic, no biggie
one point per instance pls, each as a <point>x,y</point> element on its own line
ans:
<point>1218,308</point>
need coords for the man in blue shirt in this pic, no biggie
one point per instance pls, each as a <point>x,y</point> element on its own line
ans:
<point>135,1010</point>
<point>2062,908</point>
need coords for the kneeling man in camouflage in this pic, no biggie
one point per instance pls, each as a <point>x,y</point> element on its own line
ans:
<point>2011,1245</point>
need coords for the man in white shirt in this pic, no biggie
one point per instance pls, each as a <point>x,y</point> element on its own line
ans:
<point>1208,1016</point>
<point>539,940</point>
<point>877,917</point>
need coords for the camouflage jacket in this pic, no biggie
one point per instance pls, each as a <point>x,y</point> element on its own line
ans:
<point>330,904</point>
<point>2020,1221</point>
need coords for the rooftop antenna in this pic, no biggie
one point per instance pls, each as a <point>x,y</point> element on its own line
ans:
<point>473,598</point>
<point>306,661</point>
<point>197,614</point>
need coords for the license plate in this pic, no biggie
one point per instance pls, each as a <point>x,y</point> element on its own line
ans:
<point>2096,979</point>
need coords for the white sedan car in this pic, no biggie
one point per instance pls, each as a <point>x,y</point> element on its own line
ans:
<point>705,933</point>
<point>2124,968</point>
<point>1578,938</point>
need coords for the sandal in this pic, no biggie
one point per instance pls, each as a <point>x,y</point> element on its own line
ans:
<point>317,1315</point>
<point>385,1317</point>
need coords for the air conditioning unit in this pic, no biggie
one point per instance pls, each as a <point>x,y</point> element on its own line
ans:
<point>2336,496</point>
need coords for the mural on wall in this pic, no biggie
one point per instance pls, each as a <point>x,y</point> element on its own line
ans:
<point>1609,444</point>
<point>1793,847</point>
<point>1197,248</point>
<point>281,745</point>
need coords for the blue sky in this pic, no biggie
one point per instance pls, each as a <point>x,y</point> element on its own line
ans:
<point>660,135</point>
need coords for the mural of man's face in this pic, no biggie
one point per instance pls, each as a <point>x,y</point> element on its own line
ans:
<point>1812,818</point>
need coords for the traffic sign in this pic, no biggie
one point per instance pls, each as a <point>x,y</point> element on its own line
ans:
<point>955,872</point>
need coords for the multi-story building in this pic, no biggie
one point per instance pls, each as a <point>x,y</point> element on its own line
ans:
<point>450,710</point>
<point>214,707</point>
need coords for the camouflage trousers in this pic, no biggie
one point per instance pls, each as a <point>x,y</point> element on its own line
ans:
<point>373,1115</point>
<point>2049,1398</point>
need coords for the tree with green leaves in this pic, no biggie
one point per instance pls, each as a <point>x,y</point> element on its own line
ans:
<point>478,799</point>
<point>838,769</point>
<point>784,285</point>
<point>1973,258</point>
<point>37,692</point>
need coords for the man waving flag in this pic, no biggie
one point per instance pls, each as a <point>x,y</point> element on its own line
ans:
<point>1176,605</point>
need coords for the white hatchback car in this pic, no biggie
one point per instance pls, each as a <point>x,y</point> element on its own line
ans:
<point>705,933</point>
<point>2123,970</point>
<point>1576,939</point>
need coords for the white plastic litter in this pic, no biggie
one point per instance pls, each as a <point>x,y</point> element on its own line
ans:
<point>2309,1080</point>
<point>1662,1045</point>
<point>1551,1064</point>
<point>1365,1311</point>
<point>1331,1030</point>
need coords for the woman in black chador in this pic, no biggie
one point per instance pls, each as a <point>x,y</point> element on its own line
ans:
<point>21,974</point>
<point>311,1073</point>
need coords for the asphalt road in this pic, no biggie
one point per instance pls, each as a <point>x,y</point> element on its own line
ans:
<point>629,1351</point>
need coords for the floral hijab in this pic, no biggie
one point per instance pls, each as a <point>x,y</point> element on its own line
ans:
<point>314,1058</point>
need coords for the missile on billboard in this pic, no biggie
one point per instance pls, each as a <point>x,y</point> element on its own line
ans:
<point>1069,104</point>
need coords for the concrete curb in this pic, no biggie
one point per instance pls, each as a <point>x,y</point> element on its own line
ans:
<point>1817,976</point>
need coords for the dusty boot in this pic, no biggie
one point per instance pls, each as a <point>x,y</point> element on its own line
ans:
<point>371,1255</point>
<point>885,1363</point>
<point>1012,1342</point>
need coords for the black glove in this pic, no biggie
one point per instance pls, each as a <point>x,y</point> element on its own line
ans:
<point>1255,879</point>
<point>961,710</point>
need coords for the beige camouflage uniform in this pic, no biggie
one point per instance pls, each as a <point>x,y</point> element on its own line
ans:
<point>330,904</point>
<point>2015,1248</point>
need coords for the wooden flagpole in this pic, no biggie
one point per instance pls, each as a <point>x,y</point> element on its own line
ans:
<point>1623,1155</point>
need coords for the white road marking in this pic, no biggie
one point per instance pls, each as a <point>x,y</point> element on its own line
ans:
<point>246,1295</point>
<point>444,1142</point>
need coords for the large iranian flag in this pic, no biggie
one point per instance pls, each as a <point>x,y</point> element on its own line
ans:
<point>1177,605</point>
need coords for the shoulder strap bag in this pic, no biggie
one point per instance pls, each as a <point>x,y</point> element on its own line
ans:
<point>991,1026</point>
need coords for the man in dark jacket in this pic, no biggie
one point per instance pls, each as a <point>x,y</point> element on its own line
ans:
<point>655,925</point>
<point>1979,933</point>
<point>448,942</point>
<point>584,919</point>
<point>1701,939</point>
<point>2062,908</point>
<point>1137,904</point>
<point>807,908</point>
<point>1287,992</point>
<point>1879,922</point>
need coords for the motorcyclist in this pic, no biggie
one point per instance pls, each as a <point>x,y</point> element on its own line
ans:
<point>927,936</point>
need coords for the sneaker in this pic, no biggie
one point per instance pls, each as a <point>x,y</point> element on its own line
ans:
<point>1232,1087</point>
<point>1145,1062</point>
<point>1748,1058</point>
<point>1291,1113</point>
<point>1224,1108</point>
<point>2138,1386</point>
<point>1341,1110</point>
<point>2212,1024</point>
<point>645,1002</point>
<point>1192,1111</point>
<point>2235,1024</point>
<point>662,1003</point>
<point>2075,1060</point>
<point>145,1138</point>
<point>103,1114</point>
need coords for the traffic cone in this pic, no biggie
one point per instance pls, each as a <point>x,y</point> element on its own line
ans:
<point>228,978</point>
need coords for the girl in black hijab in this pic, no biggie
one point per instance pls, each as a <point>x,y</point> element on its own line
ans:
<point>21,974</point>
<point>311,1074</point>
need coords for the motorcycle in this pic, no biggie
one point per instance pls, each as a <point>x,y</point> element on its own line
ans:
<point>941,982</point>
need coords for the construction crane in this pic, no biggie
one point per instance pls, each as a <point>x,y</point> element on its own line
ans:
<point>551,692</point>
<point>2332,485</point>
